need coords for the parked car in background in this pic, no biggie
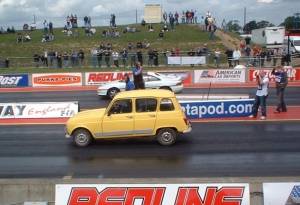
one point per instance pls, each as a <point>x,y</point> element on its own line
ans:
<point>152,80</point>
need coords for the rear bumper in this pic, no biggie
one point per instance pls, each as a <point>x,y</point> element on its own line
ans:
<point>189,129</point>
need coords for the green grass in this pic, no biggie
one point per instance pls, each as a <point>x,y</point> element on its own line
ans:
<point>184,37</point>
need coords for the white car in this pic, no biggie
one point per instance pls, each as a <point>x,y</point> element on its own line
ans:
<point>152,80</point>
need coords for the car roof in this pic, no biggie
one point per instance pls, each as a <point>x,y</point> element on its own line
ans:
<point>145,93</point>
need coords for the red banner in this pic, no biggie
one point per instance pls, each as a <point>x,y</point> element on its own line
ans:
<point>293,73</point>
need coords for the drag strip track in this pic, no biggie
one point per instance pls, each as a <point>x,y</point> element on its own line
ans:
<point>89,99</point>
<point>211,150</point>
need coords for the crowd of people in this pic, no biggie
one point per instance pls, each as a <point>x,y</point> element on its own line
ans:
<point>256,56</point>
<point>54,59</point>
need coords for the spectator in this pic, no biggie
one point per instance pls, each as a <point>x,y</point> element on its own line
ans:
<point>36,59</point>
<point>65,58</point>
<point>150,58</point>
<point>217,57</point>
<point>107,57</point>
<point>6,63</point>
<point>281,80</point>
<point>45,27</point>
<point>150,28</point>
<point>59,60</point>
<point>94,57</point>
<point>236,56</point>
<point>81,57</point>
<point>129,84</point>
<point>247,40</point>
<point>115,57</point>
<point>99,55</point>
<point>139,55</point>
<point>261,95</point>
<point>132,56</point>
<point>248,54</point>
<point>51,28</point>
<point>192,53</point>
<point>138,76</point>
<point>161,34</point>
<point>262,56</point>
<point>124,55</point>
<point>155,57</point>
<point>229,54</point>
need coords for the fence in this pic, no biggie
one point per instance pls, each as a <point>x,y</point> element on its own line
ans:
<point>160,60</point>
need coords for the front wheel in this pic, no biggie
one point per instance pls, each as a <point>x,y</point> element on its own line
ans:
<point>112,92</point>
<point>82,138</point>
<point>165,88</point>
<point>166,136</point>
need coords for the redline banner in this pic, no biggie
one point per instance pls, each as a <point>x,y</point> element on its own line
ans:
<point>293,73</point>
<point>56,79</point>
<point>31,110</point>
<point>152,194</point>
<point>281,193</point>
<point>220,76</point>
<point>97,78</point>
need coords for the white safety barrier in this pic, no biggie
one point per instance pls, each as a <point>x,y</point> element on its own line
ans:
<point>31,110</point>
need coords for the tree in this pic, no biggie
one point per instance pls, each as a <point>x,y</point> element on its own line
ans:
<point>263,24</point>
<point>291,22</point>
<point>233,26</point>
<point>250,26</point>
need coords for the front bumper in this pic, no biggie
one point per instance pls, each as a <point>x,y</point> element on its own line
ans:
<point>67,135</point>
<point>177,88</point>
<point>102,92</point>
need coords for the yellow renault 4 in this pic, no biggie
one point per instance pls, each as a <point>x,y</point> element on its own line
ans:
<point>135,113</point>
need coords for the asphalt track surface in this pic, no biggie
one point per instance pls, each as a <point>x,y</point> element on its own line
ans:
<point>212,150</point>
<point>89,99</point>
<point>219,149</point>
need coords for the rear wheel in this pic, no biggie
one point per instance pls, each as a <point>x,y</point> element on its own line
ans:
<point>166,136</point>
<point>112,92</point>
<point>82,138</point>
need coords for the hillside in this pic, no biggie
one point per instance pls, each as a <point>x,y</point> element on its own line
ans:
<point>185,37</point>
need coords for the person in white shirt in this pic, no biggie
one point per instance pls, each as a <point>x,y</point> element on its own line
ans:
<point>236,56</point>
<point>261,95</point>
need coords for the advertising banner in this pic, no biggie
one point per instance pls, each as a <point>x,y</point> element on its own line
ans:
<point>56,79</point>
<point>97,78</point>
<point>186,60</point>
<point>220,76</point>
<point>281,193</point>
<point>152,194</point>
<point>38,110</point>
<point>292,73</point>
<point>11,81</point>
<point>217,108</point>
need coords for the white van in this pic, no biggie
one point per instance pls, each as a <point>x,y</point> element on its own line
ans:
<point>294,43</point>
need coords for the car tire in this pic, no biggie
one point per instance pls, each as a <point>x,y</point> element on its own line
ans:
<point>166,136</point>
<point>166,88</point>
<point>82,138</point>
<point>111,93</point>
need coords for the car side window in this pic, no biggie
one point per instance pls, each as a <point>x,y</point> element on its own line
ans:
<point>121,107</point>
<point>149,78</point>
<point>166,104</point>
<point>146,105</point>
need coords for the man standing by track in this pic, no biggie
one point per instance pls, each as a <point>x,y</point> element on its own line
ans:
<point>281,81</point>
<point>261,95</point>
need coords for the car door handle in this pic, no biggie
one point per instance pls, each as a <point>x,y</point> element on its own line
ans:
<point>151,115</point>
<point>129,117</point>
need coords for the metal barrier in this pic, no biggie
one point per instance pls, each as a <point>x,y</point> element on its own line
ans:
<point>161,60</point>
